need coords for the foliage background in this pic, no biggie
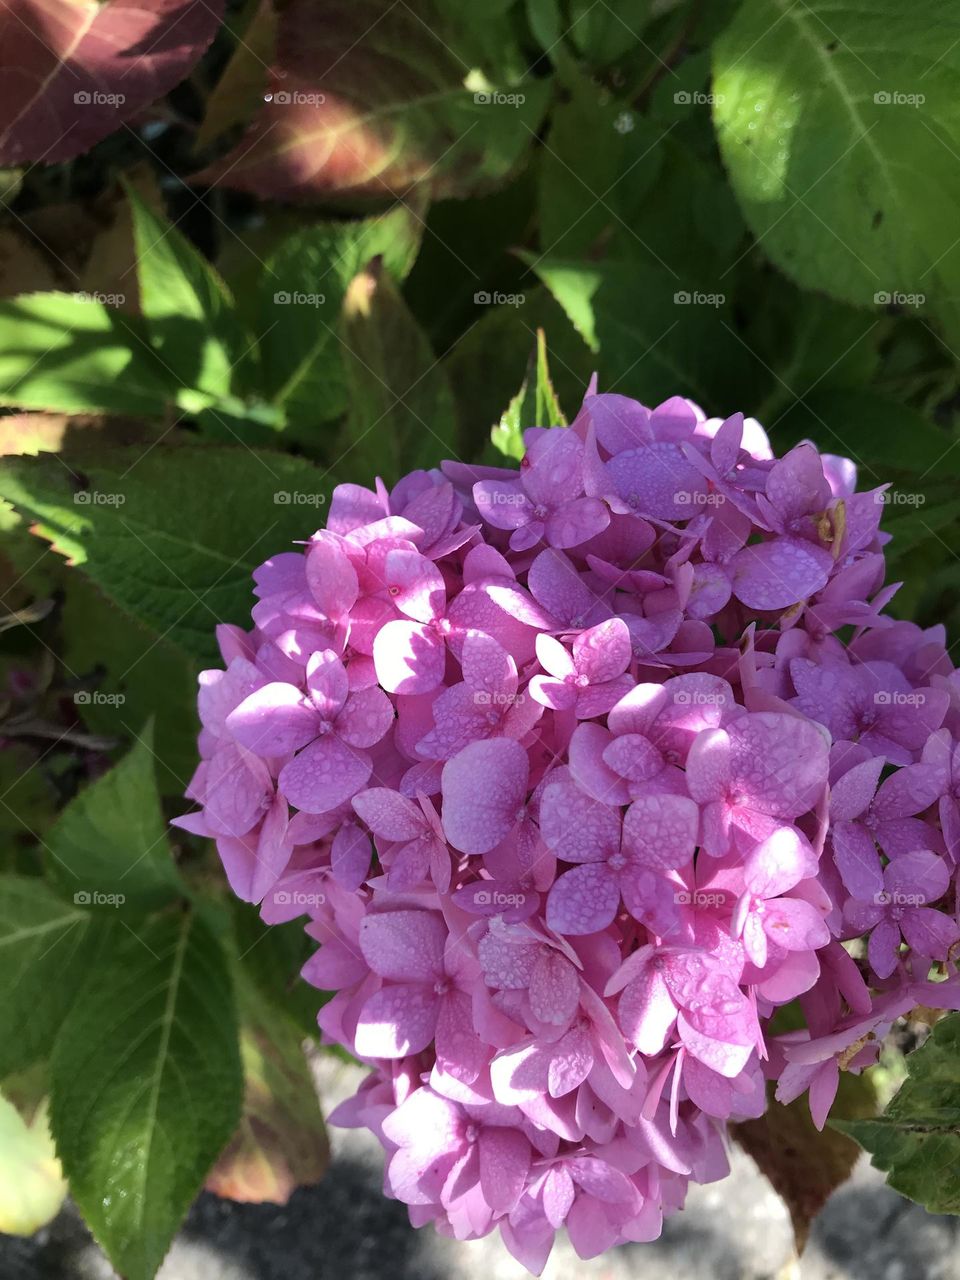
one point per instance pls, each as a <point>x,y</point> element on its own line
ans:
<point>279,246</point>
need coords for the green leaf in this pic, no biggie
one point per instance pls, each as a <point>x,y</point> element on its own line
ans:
<point>300,296</point>
<point>883,437</point>
<point>171,535</point>
<point>599,162</point>
<point>65,352</point>
<point>603,32</point>
<point>916,1142</point>
<point>42,955</point>
<point>401,406</point>
<point>490,362</point>
<point>656,334</point>
<point>109,846</point>
<point>189,313</point>
<point>129,673</point>
<point>839,127</point>
<point>281,1142</point>
<point>534,405</point>
<point>272,956</point>
<point>32,1188</point>
<point>146,1086</point>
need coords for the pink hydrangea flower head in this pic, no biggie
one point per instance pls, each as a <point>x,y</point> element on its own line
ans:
<point>578,775</point>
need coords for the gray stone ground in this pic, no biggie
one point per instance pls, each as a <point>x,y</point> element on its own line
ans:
<point>345,1229</point>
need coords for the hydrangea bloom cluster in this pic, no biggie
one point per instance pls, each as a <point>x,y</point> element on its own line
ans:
<point>579,775</point>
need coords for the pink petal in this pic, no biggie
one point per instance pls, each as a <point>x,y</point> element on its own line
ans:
<point>331,578</point>
<point>327,683</point>
<point>883,948</point>
<point>324,775</point>
<point>406,946</point>
<point>795,925</point>
<point>778,863</point>
<point>409,657</point>
<point>558,1195</point>
<point>929,932</point>
<point>366,718</point>
<point>273,848</point>
<point>577,827</point>
<point>350,856</point>
<point>660,831</point>
<point>504,1164</point>
<point>389,814</point>
<point>554,657</point>
<point>646,1012</point>
<point>397,1021</point>
<point>273,721</point>
<point>554,988</point>
<point>484,791</point>
<point>583,900</point>
<point>774,575</point>
<point>604,651</point>
<point>709,765</point>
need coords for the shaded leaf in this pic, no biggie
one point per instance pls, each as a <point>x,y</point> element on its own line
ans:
<point>803,1164</point>
<point>599,162</point>
<point>240,89</point>
<point>67,66</point>
<point>656,335</point>
<point>131,673</point>
<point>42,950</point>
<point>109,846</point>
<point>281,1142</point>
<point>367,101</point>
<point>189,314</point>
<point>300,296</point>
<point>70,353</point>
<point>401,406</point>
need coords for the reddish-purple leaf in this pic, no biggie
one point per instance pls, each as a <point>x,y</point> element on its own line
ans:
<point>367,100</point>
<point>71,71</point>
